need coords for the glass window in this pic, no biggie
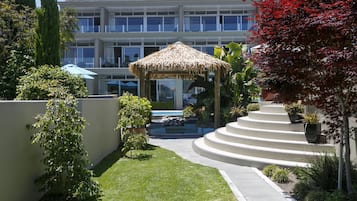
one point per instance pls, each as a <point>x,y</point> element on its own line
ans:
<point>208,50</point>
<point>230,23</point>
<point>135,24</point>
<point>192,23</point>
<point>85,24</point>
<point>120,24</point>
<point>130,54</point>
<point>170,24</point>
<point>245,23</point>
<point>154,24</point>
<point>209,23</point>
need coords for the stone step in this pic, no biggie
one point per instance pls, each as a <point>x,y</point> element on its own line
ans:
<point>217,154</point>
<point>269,125</point>
<point>272,108</point>
<point>225,135</point>
<point>233,127</point>
<point>259,115</point>
<point>258,151</point>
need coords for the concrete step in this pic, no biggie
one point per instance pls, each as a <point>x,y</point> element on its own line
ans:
<point>217,154</point>
<point>233,127</point>
<point>272,108</point>
<point>269,125</point>
<point>258,151</point>
<point>225,135</point>
<point>259,115</point>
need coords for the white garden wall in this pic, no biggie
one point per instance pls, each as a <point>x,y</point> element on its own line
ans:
<point>20,160</point>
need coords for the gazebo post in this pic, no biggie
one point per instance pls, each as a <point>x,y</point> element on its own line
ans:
<point>217,97</point>
<point>147,85</point>
<point>142,83</point>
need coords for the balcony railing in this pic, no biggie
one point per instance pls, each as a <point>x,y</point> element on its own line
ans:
<point>140,28</point>
<point>85,29</point>
<point>87,62</point>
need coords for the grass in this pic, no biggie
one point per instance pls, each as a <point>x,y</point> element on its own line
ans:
<point>157,174</point>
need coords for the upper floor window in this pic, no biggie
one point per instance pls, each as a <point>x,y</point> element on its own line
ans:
<point>236,23</point>
<point>161,24</point>
<point>88,24</point>
<point>200,23</point>
<point>129,24</point>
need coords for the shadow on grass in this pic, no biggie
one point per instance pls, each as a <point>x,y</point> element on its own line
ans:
<point>113,157</point>
<point>107,162</point>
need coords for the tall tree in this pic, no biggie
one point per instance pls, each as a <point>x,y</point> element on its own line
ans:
<point>16,46</point>
<point>68,25</point>
<point>309,53</point>
<point>47,34</point>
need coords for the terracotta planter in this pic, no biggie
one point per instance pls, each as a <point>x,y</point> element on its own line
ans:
<point>312,132</point>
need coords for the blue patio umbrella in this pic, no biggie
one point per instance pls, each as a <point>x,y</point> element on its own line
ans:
<point>76,70</point>
<point>131,84</point>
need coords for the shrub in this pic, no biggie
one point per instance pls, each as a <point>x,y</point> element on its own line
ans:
<point>59,134</point>
<point>316,196</point>
<point>294,108</point>
<point>253,107</point>
<point>269,170</point>
<point>281,175</point>
<point>301,189</point>
<point>298,172</point>
<point>188,112</point>
<point>134,113</point>
<point>37,84</point>
<point>336,196</point>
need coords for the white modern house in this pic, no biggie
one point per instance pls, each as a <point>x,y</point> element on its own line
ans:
<point>113,33</point>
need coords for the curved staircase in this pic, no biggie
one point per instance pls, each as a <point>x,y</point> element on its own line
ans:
<point>263,137</point>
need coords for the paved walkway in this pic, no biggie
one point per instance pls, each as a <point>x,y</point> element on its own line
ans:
<point>245,182</point>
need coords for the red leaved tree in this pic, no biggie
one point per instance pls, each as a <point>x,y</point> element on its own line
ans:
<point>309,53</point>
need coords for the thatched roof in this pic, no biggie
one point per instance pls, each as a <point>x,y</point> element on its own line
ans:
<point>177,61</point>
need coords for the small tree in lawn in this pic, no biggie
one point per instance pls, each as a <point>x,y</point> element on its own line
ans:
<point>59,134</point>
<point>309,53</point>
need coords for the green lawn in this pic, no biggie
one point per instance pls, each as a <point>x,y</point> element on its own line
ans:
<point>159,175</point>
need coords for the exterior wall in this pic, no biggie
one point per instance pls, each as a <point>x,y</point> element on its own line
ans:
<point>20,160</point>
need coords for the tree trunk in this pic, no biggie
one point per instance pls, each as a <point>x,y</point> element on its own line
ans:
<point>340,164</point>
<point>346,135</point>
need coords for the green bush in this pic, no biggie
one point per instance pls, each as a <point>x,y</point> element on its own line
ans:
<point>269,170</point>
<point>134,112</point>
<point>59,134</point>
<point>188,111</point>
<point>316,196</point>
<point>281,175</point>
<point>37,84</point>
<point>253,107</point>
<point>294,108</point>
<point>301,189</point>
<point>298,172</point>
<point>337,196</point>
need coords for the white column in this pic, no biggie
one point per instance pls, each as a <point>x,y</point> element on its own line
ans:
<point>179,94</point>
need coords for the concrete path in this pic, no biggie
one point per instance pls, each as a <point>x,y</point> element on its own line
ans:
<point>246,183</point>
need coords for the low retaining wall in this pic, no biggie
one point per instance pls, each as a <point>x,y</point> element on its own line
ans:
<point>21,161</point>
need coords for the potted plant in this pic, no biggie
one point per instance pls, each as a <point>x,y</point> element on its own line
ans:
<point>134,114</point>
<point>294,111</point>
<point>312,127</point>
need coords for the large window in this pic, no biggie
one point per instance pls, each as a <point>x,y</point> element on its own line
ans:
<point>129,24</point>
<point>200,23</point>
<point>88,24</point>
<point>130,54</point>
<point>236,23</point>
<point>161,24</point>
<point>81,56</point>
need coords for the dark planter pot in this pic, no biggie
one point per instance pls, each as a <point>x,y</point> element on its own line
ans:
<point>295,118</point>
<point>312,132</point>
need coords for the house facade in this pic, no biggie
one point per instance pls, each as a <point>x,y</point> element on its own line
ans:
<point>113,33</point>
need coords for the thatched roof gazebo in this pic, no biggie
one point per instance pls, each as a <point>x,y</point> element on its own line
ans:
<point>181,62</point>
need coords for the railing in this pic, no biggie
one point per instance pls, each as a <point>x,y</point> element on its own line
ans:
<point>110,62</point>
<point>139,28</point>
<point>84,29</point>
<point>86,62</point>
